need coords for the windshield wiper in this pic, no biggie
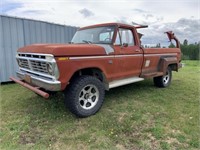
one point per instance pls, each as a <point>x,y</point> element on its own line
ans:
<point>89,42</point>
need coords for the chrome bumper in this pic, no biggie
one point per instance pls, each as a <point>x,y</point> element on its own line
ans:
<point>49,85</point>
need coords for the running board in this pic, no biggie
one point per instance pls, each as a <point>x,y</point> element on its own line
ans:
<point>153,74</point>
<point>121,82</point>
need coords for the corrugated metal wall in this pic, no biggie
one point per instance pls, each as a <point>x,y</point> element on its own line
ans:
<point>18,32</point>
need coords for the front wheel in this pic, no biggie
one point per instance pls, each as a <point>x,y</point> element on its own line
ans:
<point>85,96</point>
<point>165,80</point>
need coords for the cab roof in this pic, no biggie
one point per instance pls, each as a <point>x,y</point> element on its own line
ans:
<point>115,24</point>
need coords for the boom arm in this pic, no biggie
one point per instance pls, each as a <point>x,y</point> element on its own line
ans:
<point>171,37</point>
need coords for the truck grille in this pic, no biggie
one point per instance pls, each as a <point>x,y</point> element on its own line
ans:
<point>39,66</point>
<point>33,65</point>
<point>32,56</point>
<point>23,63</point>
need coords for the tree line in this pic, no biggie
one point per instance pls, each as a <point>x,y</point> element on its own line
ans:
<point>189,51</point>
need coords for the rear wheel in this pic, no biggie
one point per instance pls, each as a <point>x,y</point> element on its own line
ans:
<point>84,96</point>
<point>165,80</point>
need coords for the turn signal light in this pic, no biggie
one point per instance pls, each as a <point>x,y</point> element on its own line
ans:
<point>63,58</point>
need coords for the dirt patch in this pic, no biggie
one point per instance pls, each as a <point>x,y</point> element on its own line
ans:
<point>30,137</point>
<point>120,147</point>
<point>154,143</point>
<point>121,117</point>
<point>172,140</point>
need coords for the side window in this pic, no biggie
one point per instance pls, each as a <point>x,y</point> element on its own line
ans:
<point>127,36</point>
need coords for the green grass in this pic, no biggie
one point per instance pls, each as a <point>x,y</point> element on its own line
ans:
<point>136,116</point>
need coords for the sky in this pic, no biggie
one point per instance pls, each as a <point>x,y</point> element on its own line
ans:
<point>180,16</point>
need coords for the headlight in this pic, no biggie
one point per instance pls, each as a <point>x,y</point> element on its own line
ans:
<point>18,62</point>
<point>50,68</point>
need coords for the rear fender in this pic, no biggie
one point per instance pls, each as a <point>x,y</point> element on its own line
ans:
<point>168,61</point>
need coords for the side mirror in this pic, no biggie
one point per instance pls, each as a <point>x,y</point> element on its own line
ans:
<point>125,44</point>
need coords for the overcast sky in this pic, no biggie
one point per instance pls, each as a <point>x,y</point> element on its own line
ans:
<point>180,16</point>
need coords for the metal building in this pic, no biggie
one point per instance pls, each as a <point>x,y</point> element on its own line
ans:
<point>18,32</point>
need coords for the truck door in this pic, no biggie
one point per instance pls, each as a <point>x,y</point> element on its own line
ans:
<point>128,54</point>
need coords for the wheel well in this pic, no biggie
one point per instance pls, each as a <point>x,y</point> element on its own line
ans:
<point>96,72</point>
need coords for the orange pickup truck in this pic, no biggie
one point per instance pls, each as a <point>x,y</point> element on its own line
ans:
<point>98,58</point>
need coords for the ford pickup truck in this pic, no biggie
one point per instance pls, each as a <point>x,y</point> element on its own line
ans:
<point>98,58</point>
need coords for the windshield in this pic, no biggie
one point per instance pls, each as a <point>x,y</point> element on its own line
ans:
<point>98,35</point>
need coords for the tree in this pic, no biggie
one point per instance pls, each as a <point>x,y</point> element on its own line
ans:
<point>190,51</point>
<point>171,45</point>
<point>185,42</point>
<point>158,45</point>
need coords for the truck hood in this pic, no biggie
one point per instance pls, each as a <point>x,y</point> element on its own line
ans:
<point>68,49</point>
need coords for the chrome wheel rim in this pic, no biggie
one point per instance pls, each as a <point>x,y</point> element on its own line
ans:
<point>166,78</point>
<point>88,96</point>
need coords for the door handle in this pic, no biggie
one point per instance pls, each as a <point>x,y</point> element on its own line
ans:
<point>137,50</point>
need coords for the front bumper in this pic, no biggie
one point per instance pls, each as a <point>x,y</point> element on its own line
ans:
<point>32,88</point>
<point>49,85</point>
